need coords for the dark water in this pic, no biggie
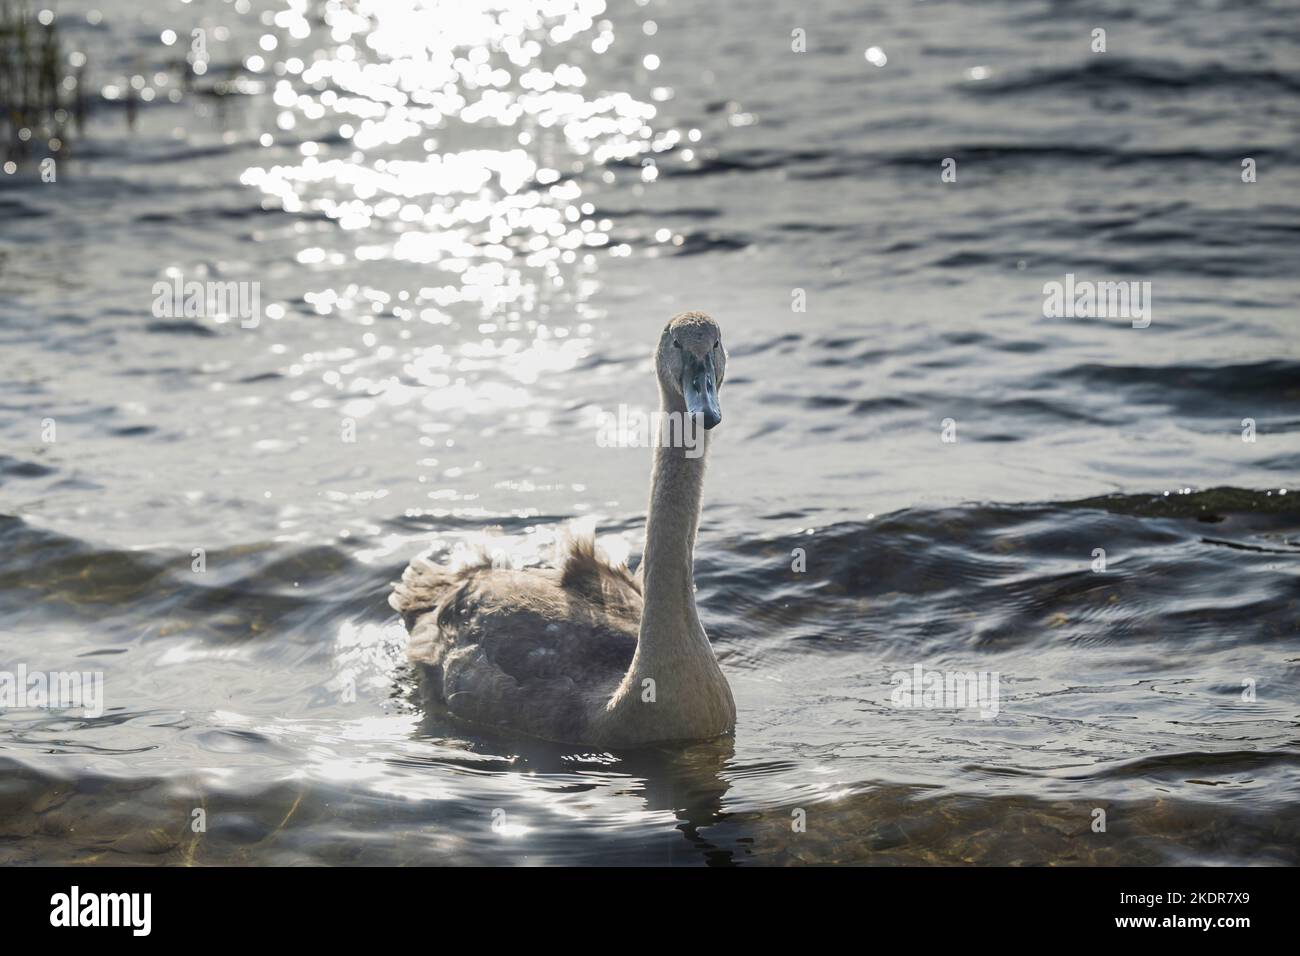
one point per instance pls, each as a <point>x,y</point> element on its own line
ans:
<point>466,246</point>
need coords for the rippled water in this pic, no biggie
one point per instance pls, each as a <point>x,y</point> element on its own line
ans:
<point>469,222</point>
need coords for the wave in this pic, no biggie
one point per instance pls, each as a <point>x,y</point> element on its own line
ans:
<point>1111,73</point>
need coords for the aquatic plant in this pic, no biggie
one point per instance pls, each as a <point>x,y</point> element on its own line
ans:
<point>35,82</point>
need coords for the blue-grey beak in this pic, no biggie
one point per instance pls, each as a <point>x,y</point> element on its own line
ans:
<point>700,389</point>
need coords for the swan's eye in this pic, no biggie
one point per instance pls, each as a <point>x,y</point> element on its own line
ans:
<point>676,344</point>
<point>717,343</point>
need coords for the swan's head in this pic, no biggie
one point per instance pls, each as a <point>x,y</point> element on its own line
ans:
<point>691,362</point>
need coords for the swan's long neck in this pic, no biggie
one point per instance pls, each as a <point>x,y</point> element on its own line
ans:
<point>670,625</point>
<point>674,688</point>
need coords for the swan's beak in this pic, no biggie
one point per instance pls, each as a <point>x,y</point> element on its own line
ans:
<point>700,389</point>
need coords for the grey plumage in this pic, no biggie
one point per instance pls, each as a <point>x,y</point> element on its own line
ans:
<point>532,650</point>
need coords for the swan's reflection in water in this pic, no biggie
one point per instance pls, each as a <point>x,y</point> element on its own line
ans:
<point>686,782</point>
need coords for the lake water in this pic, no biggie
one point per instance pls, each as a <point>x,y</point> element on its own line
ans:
<point>467,224</point>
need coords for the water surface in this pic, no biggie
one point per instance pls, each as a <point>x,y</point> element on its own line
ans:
<point>469,223</point>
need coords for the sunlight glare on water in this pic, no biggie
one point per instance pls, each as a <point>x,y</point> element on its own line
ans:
<point>455,147</point>
<point>497,219</point>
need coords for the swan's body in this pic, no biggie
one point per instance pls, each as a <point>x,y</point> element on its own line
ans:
<point>587,653</point>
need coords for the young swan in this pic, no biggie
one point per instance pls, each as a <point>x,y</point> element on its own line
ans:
<point>586,653</point>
